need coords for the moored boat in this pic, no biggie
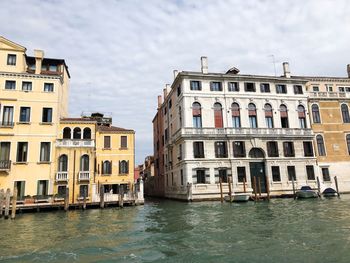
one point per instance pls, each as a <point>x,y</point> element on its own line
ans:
<point>329,192</point>
<point>306,192</point>
<point>241,197</point>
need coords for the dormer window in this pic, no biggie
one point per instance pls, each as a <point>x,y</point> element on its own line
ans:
<point>53,68</point>
<point>11,59</point>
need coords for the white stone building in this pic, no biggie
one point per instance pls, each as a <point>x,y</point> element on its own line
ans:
<point>220,125</point>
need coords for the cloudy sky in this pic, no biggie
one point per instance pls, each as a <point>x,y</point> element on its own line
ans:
<point>121,53</point>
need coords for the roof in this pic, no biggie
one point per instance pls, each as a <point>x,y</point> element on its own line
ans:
<point>325,78</point>
<point>52,61</point>
<point>113,129</point>
<point>77,120</point>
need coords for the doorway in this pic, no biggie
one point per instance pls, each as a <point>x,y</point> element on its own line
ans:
<point>257,169</point>
<point>20,189</point>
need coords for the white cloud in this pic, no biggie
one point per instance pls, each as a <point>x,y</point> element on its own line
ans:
<point>121,53</point>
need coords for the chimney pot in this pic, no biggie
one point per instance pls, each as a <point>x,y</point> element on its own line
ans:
<point>286,70</point>
<point>348,69</point>
<point>39,56</point>
<point>159,101</point>
<point>204,65</point>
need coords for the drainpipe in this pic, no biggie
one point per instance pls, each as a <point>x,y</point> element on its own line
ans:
<point>73,177</point>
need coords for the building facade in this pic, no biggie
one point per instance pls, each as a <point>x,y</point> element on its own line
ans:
<point>245,126</point>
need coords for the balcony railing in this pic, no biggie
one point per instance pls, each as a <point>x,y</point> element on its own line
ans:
<point>84,176</point>
<point>62,176</point>
<point>5,165</point>
<point>74,143</point>
<point>258,132</point>
<point>6,124</point>
<point>322,94</point>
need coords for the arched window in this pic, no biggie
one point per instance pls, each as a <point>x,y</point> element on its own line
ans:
<point>63,163</point>
<point>345,113</point>
<point>236,115</point>
<point>197,115</point>
<point>320,145</point>
<point>268,115</point>
<point>284,116</point>
<point>84,163</point>
<point>315,113</point>
<point>256,153</point>
<point>87,133</point>
<point>123,167</point>
<point>218,115</point>
<point>67,133</point>
<point>77,133</point>
<point>107,167</point>
<point>253,121</point>
<point>348,142</point>
<point>302,117</point>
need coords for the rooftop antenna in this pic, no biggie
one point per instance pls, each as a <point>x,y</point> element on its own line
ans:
<point>274,63</point>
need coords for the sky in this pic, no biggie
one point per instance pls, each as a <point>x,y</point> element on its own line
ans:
<point>121,53</point>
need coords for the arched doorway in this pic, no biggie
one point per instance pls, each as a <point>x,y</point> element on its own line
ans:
<point>257,169</point>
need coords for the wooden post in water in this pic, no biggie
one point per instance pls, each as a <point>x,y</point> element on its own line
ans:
<point>318,187</point>
<point>84,200</point>
<point>66,200</point>
<point>259,187</point>
<point>244,186</point>
<point>221,195</point>
<point>229,188</point>
<point>294,195</point>
<point>336,185</point>
<point>2,202</point>
<point>7,203</point>
<point>102,196</point>
<point>121,197</point>
<point>255,191</point>
<point>268,187</point>
<point>14,202</point>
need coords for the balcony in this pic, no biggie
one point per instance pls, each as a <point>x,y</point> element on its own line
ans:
<point>84,176</point>
<point>329,95</point>
<point>5,165</point>
<point>61,176</point>
<point>6,124</point>
<point>74,143</point>
<point>229,132</point>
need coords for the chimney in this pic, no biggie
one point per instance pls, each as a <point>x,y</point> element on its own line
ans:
<point>286,70</point>
<point>176,72</point>
<point>39,55</point>
<point>204,64</point>
<point>167,86</point>
<point>159,101</point>
<point>348,68</point>
<point>165,93</point>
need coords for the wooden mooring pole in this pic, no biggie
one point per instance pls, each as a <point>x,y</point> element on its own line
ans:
<point>259,187</point>
<point>255,190</point>
<point>268,187</point>
<point>244,186</point>
<point>7,203</point>
<point>102,196</point>
<point>318,187</point>
<point>84,200</point>
<point>221,195</point>
<point>229,188</point>
<point>336,185</point>
<point>121,197</point>
<point>66,200</point>
<point>14,202</point>
<point>294,195</point>
<point>2,202</point>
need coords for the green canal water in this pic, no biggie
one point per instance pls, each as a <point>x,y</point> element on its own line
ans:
<point>282,230</point>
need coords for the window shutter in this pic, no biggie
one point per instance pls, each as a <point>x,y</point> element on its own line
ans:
<point>196,111</point>
<point>102,168</point>
<point>207,176</point>
<point>216,149</point>
<point>268,113</point>
<point>110,168</point>
<point>284,114</point>
<point>127,167</point>
<point>120,166</point>
<point>218,118</point>
<point>38,187</point>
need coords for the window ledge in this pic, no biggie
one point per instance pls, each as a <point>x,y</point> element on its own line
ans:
<point>15,163</point>
<point>45,123</point>
<point>277,182</point>
<point>106,174</point>
<point>23,122</point>
<point>106,149</point>
<point>7,126</point>
<point>26,91</point>
<point>80,198</point>
<point>123,174</point>
<point>123,148</point>
<point>44,162</point>
<point>47,91</point>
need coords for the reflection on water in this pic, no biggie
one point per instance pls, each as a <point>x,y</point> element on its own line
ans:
<point>283,230</point>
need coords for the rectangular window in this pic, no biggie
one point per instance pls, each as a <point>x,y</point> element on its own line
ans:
<point>200,176</point>
<point>220,150</point>
<point>198,150</point>
<point>325,175</point>
<point>272,149</point>
<point>288,149</point>
<point>42,189</point>
<point>298,89</point>
<point>48,87</point>
<point>222,174</point>
<point>238,149</point>
<point>281,88</point>
<point>195,85</point>
<point>329,88</point>
<point>24,114</point>
<point>26,86</point>
<point>11,59</point>
<point>253,122</point>
<point>7,116</point>
<point>53,68</point>
<point>233,86</point>
<point>276,176</point>
<point>61,191</point>
<point>310,172</point>
<point>341,89</point>
<point>265,87</point>
<point>107,142</point>
<point>249,86</point>
<point>241,174</point>
<point>180,152</point>
<point>84,190</point>
<point>315,89</point>
<point>47,115</point>
<point>182,176</point>
<point>22,151</point>
<point>169,104</point>
<point>124,142</point>
<point>178,90</point>
<point>10,84</point>
<point>347,89</point>
<point>291,173</point>
<point>5,148</point>
<point>215,86</point>
<point>236,121</point>
<point>45,151</point>
<point>308,149</point>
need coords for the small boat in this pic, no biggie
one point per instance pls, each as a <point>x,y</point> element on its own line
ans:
<point>329,192</point>
<point>306,192</point>
<point>241,197</point>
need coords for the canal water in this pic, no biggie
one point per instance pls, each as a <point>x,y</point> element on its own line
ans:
<point>282,230</point>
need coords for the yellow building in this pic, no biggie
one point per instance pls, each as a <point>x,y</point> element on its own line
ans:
<point>42,151</point>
